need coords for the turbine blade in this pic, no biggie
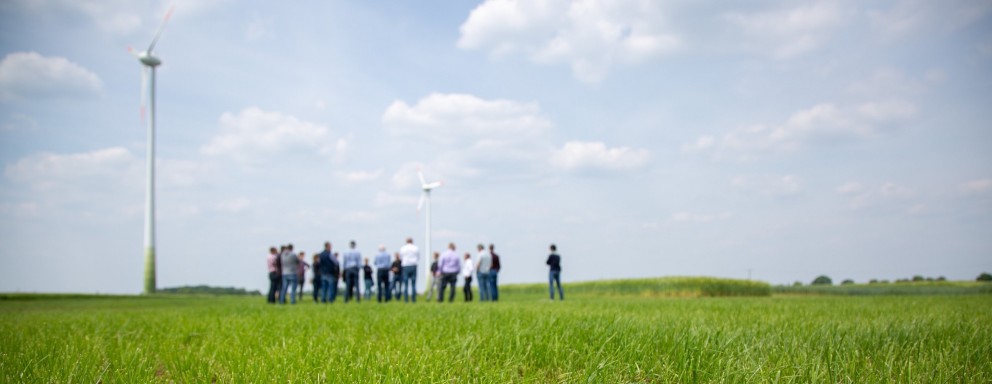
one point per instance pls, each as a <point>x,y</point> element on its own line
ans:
<point>433,185</point>
<point>421,175</point>
<point>421,203</point>
<point>160,29</point>
<point>133,53</point>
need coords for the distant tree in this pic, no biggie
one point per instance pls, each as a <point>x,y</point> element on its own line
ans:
<point>918,278</point>
<point>902,280</point>
<point>797,284</point>
<point>884,282</point>
<point>847,282</point>
<point>985,276</point>
<point>873,281</point>
<point>822,280</point>
<point>941,278</point>
<point>929,278</point>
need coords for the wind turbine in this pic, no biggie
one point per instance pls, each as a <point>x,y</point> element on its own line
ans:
<point>426,197</point>
<point>149,62</point>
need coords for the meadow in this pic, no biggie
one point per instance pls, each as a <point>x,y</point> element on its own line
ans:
<point>591,337</point>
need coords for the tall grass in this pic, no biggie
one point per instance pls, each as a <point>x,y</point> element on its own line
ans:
<point>907,288</point>
<point>523,338</point>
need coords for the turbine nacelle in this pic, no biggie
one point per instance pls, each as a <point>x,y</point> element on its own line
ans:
<point>149,60</point>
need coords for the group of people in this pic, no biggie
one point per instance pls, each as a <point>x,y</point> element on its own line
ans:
<point>395,275</point>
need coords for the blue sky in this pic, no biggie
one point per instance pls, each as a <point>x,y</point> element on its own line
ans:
<point>783,139</point>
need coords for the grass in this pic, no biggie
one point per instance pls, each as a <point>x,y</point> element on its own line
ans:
<point>523,338</point>
<point>904,288</point>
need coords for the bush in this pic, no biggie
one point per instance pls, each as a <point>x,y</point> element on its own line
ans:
<point>984,277</point>
<point>797,284</point>
<point>822,280</point>
<point>873,281</point>
<point>918,278</point>
<point>847,282</point>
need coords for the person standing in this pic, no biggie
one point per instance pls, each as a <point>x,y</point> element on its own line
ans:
<point>554,275</point>
<point>367,277</point>
<point>485,261</point>
<point>382,266</point>
<point>435,280</point>
<point>493,272</point>
<point>301,272</point>
<point>449,265</point>
<point>290,264</point>
<point>329,270</point>
<point>351,261</point>
<point>315,276</point>
<point>467,274</point>
<point>395,268</point>
<point>410,256</point>
<point>273,264</point>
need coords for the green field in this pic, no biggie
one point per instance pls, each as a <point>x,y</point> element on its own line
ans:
<point>524,338</point>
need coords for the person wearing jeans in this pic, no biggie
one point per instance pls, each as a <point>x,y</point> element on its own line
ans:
<point>554,274</point>
<point>483,263</point>
<point>410,256</point>
<point>449,265</point>
<point>382,265</point>
<point>290,263</point>
<point>329,269</point>
<point>351,262</point>
<point>493,272</point>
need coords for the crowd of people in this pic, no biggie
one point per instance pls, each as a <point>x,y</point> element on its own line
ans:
<point>395,275</point>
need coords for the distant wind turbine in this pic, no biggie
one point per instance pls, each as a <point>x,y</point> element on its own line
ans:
<point>149,62</point>
<point>426,197</point>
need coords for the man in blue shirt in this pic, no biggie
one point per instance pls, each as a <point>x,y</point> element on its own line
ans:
<point>382,265</point>
<point>351,261</point>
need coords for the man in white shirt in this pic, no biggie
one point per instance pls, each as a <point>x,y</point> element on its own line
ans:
<point>409,256</point>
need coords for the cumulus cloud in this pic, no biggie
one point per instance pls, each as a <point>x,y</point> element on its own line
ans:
<point>450,117</point>
<point>790,32</point>
<point>976,186</point>
<point>27,75</point>
<point>821,124</point>
<point>589,35</point>
<point>580,156</point>
<point>54,172</point>
<point>769,185</point>
<point>254,133</point>
<point>119,16</point>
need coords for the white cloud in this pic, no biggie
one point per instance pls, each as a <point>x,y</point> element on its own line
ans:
<point>55,172</point>
<point>888,194</point>
<point>579,155</point>
<point>791,32</point>
<point>354,177</point>
<point>589,35</point>
<point>976,186</point>
<point>688,217</point>
<point>25,75</point>
<point>822,124</point>
<point>450,117</point>
<point>849,188</point>
<point>233,205</point>
<point>769,185</point>
<point>121,16</point>
<point>254,133</point>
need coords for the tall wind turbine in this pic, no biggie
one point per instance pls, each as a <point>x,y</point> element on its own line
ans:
<point>426,197</point>
<point>149,62</point>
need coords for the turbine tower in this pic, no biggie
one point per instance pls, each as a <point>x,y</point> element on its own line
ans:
<point>426,197</point>
<point>149,62</point>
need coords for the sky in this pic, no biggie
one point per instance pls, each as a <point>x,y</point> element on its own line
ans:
<point>776,140</point>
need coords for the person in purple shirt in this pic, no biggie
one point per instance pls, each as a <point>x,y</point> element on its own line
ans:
<point>449,265</point>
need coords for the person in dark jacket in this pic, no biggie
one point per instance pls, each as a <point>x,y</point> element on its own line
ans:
<point>493,271</point>
<point>554,275</point>
<point>327,264</point>
<point>367,277</point>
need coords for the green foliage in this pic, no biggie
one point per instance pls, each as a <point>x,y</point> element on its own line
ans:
<point>654,287</point>
<point>898,288</point>
<point>208,290</point>
<point>822,280</point>
<point>984,277</point>
<point>523,338</point>
<point>847,282</point>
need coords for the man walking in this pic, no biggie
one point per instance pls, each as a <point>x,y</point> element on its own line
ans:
<point>410,256</point>
<point>382,265</point>
<point>329,270</point>
<point>449,265</point>
<point>554,275</point>
<point>483,263</point>
<point>493,272</point>
<point>351,261</point>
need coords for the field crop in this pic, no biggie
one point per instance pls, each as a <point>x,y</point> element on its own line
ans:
<point>524,338</point>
